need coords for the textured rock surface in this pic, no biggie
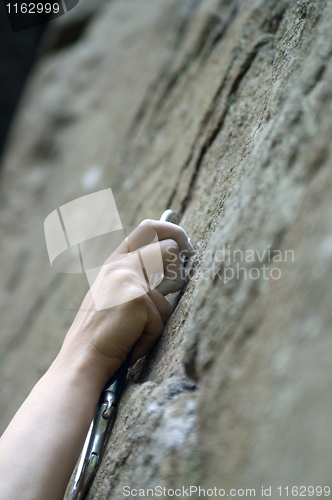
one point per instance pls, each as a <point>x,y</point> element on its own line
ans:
<point>221,110</point>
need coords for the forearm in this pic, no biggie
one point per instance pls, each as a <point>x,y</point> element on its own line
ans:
<point>39,449</point>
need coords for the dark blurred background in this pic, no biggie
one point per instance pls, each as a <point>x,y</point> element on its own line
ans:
<point>17,54</point>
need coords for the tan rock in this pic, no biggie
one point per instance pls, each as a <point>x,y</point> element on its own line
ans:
<point>222,112</point>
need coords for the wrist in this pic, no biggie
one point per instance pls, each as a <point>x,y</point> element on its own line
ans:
<point>84,366</point>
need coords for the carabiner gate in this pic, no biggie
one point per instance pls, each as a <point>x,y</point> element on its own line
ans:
<point>95,441</point>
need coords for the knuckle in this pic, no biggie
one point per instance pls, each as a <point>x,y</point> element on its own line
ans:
<point>174,245</point>
<point>137,307</point>
<point>121,275</point>
<point>140,302</point>
<point>171,248</point>
<point>146,222</point>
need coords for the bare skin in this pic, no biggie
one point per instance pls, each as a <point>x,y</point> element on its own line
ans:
<point>41,445</point>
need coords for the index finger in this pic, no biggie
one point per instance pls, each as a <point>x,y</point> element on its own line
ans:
<point>148,229</point>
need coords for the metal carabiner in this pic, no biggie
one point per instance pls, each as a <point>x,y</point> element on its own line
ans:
<point>170,216</point>
<point>93,448</point>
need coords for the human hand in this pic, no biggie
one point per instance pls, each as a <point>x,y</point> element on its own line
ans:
<point>50,426</point>
<point>103,338</point>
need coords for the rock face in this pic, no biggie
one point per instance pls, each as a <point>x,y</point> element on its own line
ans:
<point>222,111</point>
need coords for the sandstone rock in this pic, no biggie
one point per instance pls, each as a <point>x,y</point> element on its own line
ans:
<point>220,110</point>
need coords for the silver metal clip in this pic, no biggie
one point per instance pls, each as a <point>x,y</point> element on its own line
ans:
<point>170,216</point>
<point>93,449</point>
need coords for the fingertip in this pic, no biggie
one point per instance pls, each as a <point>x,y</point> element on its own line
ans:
<point>190,245</point>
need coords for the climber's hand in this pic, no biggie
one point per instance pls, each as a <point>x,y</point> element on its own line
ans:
<point>118,312</point>
<point>104,333</point>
